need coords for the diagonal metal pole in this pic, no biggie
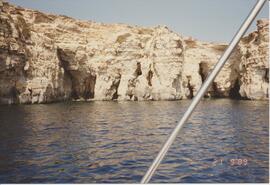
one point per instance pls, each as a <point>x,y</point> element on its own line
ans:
<point>203,89</point>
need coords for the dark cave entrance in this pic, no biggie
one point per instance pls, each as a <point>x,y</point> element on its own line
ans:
<point>89,87</point>
<point>234,92</point>
<point>202,72</point>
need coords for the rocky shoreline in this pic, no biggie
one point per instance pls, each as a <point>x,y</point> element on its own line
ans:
<point>46,58</point>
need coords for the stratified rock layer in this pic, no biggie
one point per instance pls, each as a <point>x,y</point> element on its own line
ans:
<point>45,58</point>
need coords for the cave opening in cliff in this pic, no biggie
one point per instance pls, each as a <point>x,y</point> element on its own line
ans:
<point>215,92</point>
<point>74,95</point>
<point>266,76</point>
<point>138,70</point>
<point>68,77</point>
<point>149,77</point>
<point>203,68</point>
<point>191,91</point>
<point>89,87</point>
<point>14,94</point>
<point>115,86</point>
<point>190,88</point>
<point>115,96</point>
<point>234,92</point>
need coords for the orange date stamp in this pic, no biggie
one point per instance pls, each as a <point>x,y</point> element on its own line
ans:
<point>231,162</point>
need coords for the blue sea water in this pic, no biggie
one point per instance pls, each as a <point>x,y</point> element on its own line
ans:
<point>225,141</point>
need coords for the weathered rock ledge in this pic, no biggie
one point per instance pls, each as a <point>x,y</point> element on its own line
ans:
<point>46,58</point>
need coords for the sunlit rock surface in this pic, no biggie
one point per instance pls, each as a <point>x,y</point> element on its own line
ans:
<point>46,58</point>
<point>254,65</point>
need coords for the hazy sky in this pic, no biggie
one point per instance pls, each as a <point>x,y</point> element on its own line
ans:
<point>208,20</point>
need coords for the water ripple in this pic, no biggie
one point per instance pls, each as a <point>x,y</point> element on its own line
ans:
<point>110,142</point>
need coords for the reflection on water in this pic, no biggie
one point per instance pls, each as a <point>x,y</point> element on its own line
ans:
<point>116,142</point>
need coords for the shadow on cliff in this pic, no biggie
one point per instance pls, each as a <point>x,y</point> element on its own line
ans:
<point>82,84</point>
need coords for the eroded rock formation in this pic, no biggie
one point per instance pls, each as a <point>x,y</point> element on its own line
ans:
<point>45,58</point>
<point>254,65</point>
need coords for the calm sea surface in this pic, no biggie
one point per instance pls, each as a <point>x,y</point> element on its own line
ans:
<point>224,141</point>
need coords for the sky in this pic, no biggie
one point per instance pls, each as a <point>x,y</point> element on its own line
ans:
<point>206,20</point>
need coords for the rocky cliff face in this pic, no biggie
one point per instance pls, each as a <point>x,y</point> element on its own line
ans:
<point>254,63</point>
<point>45,58</point>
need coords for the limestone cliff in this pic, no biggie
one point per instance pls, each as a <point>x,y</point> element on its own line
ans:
<point>254,63</point>
<point>45,58</point>
<point>245,75</point>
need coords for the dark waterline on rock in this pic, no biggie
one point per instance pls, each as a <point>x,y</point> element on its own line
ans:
<point>78,142</point>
